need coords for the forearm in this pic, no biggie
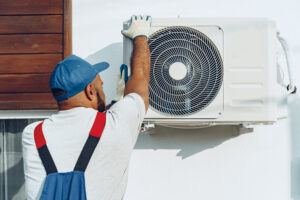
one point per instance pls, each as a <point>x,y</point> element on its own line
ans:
<point>140,59</point>
<point>140,69</point>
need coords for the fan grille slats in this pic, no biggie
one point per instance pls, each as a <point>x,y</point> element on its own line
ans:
<point>203,65</point>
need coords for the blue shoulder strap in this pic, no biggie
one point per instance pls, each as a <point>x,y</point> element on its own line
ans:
<point>43,150</point>
<point>86,153</point>
<point>91,142</point>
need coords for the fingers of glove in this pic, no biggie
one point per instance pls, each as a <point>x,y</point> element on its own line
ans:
<point>122,76</point>
<point>149,18</point>
<point>133,18</point>
<point>145,17</point>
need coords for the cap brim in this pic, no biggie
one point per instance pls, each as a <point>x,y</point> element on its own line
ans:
<point>99,67</point>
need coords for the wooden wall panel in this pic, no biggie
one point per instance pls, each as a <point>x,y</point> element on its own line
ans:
<point>28,63</point>
<point>31,43</point>
<point>20,83</point>
<point>25,7</point>
<point>31,24</point>
<point>26,101</point>
<point>67,27</point>
<point>34,36</point>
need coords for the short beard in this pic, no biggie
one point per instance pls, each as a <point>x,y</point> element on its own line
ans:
<point>101,104</point>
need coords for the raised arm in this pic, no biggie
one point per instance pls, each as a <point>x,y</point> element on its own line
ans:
<point>140,59</point>
<point>140,69</point>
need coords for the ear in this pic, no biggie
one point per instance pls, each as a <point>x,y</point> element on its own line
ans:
<point>90,92</point>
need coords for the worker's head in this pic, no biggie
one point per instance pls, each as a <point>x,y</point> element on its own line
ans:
<point>75,82</point>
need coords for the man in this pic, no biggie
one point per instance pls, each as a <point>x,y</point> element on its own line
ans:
<point>77,87</point>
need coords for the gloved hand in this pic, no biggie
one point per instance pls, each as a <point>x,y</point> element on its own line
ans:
<point>139,25</point>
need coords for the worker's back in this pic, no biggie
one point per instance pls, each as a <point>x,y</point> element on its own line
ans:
<point>66,133</point>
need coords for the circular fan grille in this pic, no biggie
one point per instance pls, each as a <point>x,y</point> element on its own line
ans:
<point>186,70</point>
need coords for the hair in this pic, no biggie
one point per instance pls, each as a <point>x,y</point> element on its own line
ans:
<point>58,92</point>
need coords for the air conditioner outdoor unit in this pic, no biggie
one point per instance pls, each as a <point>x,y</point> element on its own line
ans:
<point>212,71</point>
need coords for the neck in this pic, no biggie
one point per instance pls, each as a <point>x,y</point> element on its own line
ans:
<point>66,106</point>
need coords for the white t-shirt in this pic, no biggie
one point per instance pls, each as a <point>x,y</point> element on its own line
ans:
<point>66,133</point>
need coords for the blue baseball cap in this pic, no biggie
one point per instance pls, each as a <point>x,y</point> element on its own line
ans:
<point>72,75</point>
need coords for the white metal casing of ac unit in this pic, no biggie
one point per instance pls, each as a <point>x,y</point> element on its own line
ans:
<point>248,94</point>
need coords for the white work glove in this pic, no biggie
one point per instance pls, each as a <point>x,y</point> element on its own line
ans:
<point>139,25</point>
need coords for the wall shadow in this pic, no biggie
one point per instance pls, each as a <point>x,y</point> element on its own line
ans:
<point>196,140</point>
<point>113,54</point>
<point>190,142</point>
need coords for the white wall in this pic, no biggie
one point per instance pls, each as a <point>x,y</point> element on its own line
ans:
<point>208,164</point>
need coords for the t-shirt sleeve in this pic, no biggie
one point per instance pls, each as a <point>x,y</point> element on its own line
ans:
<point>33,168</point>
<point>129,113</point>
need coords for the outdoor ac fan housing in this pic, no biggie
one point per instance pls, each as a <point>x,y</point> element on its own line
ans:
<point>211,71</point>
